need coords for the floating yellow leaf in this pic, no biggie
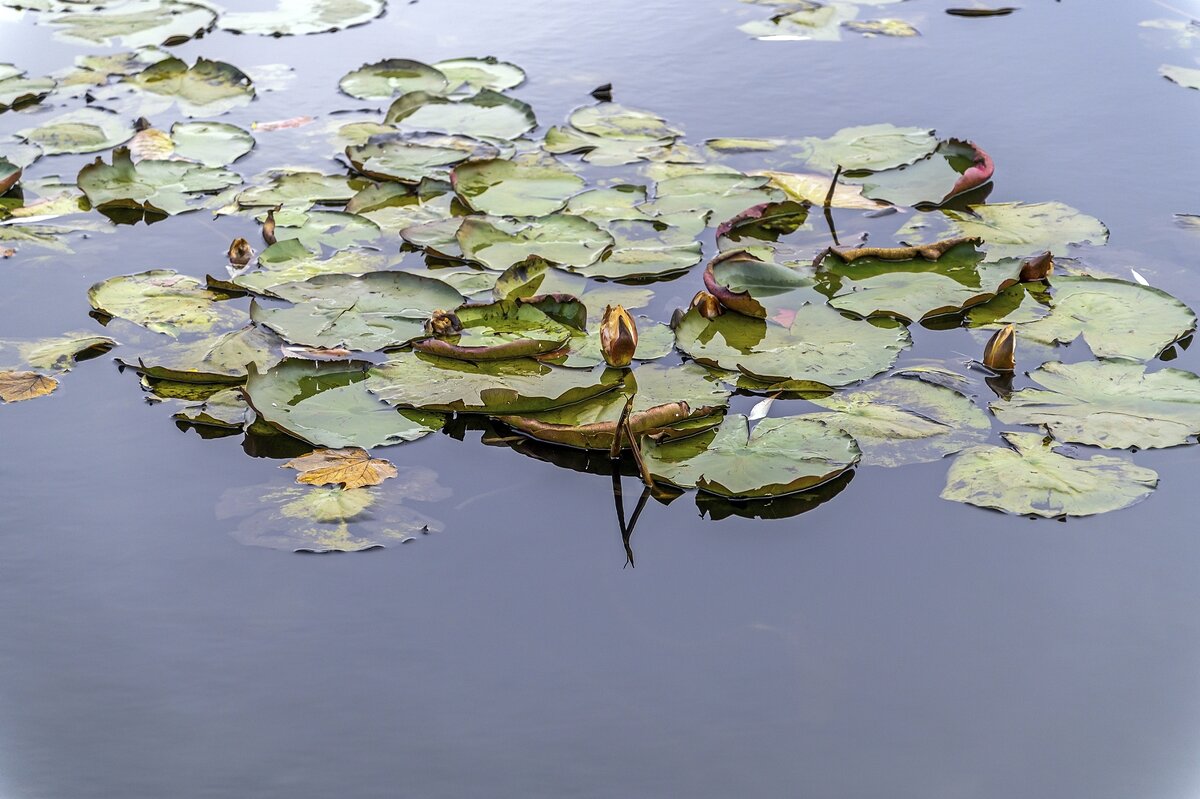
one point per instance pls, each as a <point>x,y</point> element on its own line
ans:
<point>17,386</point>
<point>350,467</point>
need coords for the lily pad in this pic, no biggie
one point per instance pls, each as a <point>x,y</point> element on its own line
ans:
<point>373,312</point>
<point>561,239</point>
<point>413,157</point>
<point>808,22</point>
<point>513,386</point>
<point>498,330</point>
<point>953,168</point>
<point>1017,230</point>
<point>87,130</point>
<point>327,405</point>
<point>1031,477</point>
<point>760,289</point>
<point>898,421</point>
<point>298,189</point>
<point>1187,77</point>
<point>664,397</point>
<point>303,17</point>
<point>820,349</point>
<point>916,289</point>
<point>136,23</point>
<point>471,75</point>
<point>163,187</point>
<point>289,262</point>
<point>165,302</point>
<point>217,359</point>
<point>720,194</point>
<point>775,458</point>
<point>487,115</point>
<point>210,143</point>
<point>1117,318</point>
<point>17,91</point>
<point>21,386</point>
<point>207,88</point>
<point>509,188</point>
<point>383,80</point>
<point>317,229</point>
<point>873,147</point>
<point>1110,404</point>
<point>648,248</point>
<point>57,354</point>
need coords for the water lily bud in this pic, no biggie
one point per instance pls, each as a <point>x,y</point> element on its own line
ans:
<point>1037,268</point>
<point>443,323</point>
<point>618,337</point>
<point>268,228</point>
<point>1000,353</point>
<point>707,305</point>
<point>240,252</point>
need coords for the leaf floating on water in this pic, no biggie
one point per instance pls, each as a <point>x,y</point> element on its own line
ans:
<point>1110,404</point>
<point>350,467</point>
<point>383,80</point>
<point>981,11</point>
<point>873,147</point>
<point>487,115</point>
<point>20,386</point>
<point>882,27</point>
<point>473,75</point>
<point>508,188</point>
<point>87,130</point>
<point>1031,477</point>
<point>165,302</point>
<point>1018,230</point>
<point>207,88</point>
<point>162,187</point>
<point>59,354</point>
<point>134,23</point>
<point>303,17</point>
<point>17,90</point>
<point>779,456</point>
<point>1186,77</point>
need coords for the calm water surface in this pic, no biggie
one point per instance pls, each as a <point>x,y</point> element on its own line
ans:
<point>884,644</point>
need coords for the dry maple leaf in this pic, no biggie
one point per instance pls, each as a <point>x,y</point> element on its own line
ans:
<point>350,467</point>
<point>17,386</point>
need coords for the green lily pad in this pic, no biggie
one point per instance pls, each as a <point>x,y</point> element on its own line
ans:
<point>602,150</point>
<point>57,354</point>
<point>873,147</point>
<point>216,359</point>
<point>898,420</point>
<point>498,330</point>
<point>303,17</point>
<point>665,397</point>
<point>225,410</point>
<point>561,239</point>
<point>207,88</point>
<point>163,187</point>
<point>327,405</point>
<point>645,248</point>
<point>487,115</point>
<point>916,289</point>
<point>535,277</point>
<point>413,157</point>
<point>1110,404</point>
<point>165,302</point>
<point>1032,478</point>
<point>298,189</point>
<point>472,75</point>
<point>808,22</point>
<point>1018,230</point>
<point>509,188</point>
<point>720,194</point>
<point>289,262</point>
<point>383,80</point>
<point>373,312</point>
<point>512,386</point>
<point>615,121</point>
<point>317,229</point>
<point>1116,318</point>
<point>820,349</point>
<point>612,202</point>
<point>775,458</point>
<point>87,130</point>
<point>882,27</point>
<point>953,168</point>
<point>210,143</point>
<point>17,91</point>
<point>136,23</point>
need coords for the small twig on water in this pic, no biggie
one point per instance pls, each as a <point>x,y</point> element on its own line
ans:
<point>614,451</point>
<point>637,456</point>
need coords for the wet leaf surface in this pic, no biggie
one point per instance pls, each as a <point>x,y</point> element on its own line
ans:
<point>350,468</point>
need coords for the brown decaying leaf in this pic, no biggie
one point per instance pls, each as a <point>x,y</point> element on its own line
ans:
<point>351,467</point>
<point>282,124</point>
<point>8,182</point>
<point>316,353</point>
<point>1039,267</point>
<point>981,12</point>
<point>930,252</point>
<point>707,305</point>
<point>1000,353</point>
<point>7,252</point>
<point>18,386</point>
<point>268,228</point>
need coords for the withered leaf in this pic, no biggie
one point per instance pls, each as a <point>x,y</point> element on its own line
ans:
<point>350,467</point>
<point>18,386</point>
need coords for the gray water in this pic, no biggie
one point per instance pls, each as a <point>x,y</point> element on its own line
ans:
<point>883,644</point>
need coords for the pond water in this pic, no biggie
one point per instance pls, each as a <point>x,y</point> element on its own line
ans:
<point>883,643</point>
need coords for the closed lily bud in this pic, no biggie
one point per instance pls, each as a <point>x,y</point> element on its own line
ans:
<point>707,305</point>
<point>240,252</point>
<point>1000,353</point>
<point>618,337</point>
<point>1037,268</point>
<point>443,323</point>
<point>268,228</point>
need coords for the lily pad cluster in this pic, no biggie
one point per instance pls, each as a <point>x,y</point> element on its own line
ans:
<point>454,264</point>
